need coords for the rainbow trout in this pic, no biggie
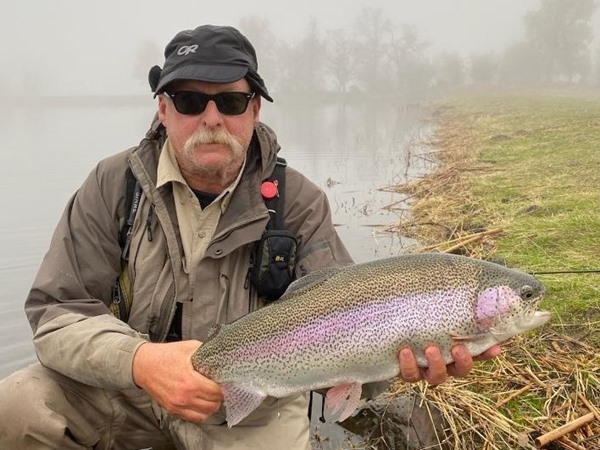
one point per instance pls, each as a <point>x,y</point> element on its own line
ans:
<point>340,328</point>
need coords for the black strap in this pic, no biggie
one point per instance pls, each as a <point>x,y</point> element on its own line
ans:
<point>133,193</point>
<point>278,176</point>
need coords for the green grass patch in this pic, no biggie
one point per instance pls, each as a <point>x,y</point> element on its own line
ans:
<point>542,185</point>
<point>518,181</point>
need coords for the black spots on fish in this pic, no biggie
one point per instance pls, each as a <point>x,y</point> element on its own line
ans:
<point>357,317</point>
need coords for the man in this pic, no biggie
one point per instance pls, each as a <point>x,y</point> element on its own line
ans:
<point>105,383</point>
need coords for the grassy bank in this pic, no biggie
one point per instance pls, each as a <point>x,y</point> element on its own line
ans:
<point>528,165</point>
<point>518,180</point>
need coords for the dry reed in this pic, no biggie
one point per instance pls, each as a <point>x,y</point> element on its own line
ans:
<point>543,380</point>
<point>535,386</point>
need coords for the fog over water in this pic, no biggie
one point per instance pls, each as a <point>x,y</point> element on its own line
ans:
<point>349,80</point>
<point>82,47</point>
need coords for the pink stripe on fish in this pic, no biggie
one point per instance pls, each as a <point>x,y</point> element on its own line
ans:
<point>364,326</point>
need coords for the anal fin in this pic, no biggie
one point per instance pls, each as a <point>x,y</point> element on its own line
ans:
<point>239,402</point>
<point>344,398</point>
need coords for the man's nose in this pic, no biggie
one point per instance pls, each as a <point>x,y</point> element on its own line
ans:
<point>211,116</point>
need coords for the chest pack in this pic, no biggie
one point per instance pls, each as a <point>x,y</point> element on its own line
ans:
<point>272,262</point>
<point>274,257</point>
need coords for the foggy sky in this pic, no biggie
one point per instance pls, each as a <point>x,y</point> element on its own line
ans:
<point>89,47</point>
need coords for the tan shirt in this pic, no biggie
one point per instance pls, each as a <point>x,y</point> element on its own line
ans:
<point>196,225</point>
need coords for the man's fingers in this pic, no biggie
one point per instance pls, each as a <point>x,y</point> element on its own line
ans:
<point>196,415</point>
<point>203,406</point>
<point>166,373</point>
<point>489,353</point>
<point>409,371</point>
<point>210,391</point>
<point>437,371</point>
<point>194,407</point>
<point>463,361</point>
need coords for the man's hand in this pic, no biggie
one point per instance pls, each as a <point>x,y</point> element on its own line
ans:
<point>438,371</point>
<point>165,372</point>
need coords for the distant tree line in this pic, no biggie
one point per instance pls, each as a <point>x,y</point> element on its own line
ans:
<point>377,57</point>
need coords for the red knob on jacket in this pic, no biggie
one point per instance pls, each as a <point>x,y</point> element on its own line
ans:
<point>269,189</point>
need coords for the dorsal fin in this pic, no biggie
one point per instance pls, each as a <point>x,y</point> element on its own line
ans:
<point>311,280</point>
<point>214,330</point>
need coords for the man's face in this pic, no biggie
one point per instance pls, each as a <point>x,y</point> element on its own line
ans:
<point>210,143</point>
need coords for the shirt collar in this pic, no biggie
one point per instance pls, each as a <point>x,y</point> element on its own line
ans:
<point>168,169</point>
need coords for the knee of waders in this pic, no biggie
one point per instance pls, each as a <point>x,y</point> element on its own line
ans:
<point>31,410</point>
<point>24,392</point>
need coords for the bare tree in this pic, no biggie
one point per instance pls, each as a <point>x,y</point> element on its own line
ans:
<point>258,30</point>
<point>559,34</point>
<point>518,65</point>
<point>372,29</point>
<point>409,72</point>
<point>451,70</point>
<point>483,68</point>
<point>341,61</point>
<point>303,63</point>
<point>311,54</point>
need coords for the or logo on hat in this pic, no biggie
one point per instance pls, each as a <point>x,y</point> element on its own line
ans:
<point>187,49</point>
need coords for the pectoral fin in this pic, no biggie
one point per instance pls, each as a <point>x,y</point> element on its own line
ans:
<point>468,337</point>
<point>344,398</point>
<point>239,402</point>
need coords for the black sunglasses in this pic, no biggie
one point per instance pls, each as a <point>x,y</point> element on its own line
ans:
<point>192,102</point>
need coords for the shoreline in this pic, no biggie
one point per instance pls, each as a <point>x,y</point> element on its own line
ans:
<point>488,198</point>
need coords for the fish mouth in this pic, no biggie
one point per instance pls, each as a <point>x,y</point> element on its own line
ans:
<point>540,317</point>
<point>525,322</point>
<point>534,318</point>
<point>528,318</point>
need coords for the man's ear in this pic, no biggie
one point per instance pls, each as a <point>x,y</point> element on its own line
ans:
<point>162,109</point>
<point>256,104</point>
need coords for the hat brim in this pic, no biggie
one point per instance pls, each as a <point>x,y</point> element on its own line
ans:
<point>212,74</point>
<point>202,72</point>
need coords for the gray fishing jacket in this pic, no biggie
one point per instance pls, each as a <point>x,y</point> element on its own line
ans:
<point>68,305</point>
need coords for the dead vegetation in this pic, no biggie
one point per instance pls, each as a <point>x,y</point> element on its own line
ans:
<point>543,391</point>
<point>522,398</point>
<point>444,215</point>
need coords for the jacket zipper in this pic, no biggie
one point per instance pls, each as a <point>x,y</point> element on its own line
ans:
<point>165,326</point>
<point>163,331</point>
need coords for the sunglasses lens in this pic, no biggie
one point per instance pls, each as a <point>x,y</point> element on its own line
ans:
<point>191,103</point>
<point>232,103</point>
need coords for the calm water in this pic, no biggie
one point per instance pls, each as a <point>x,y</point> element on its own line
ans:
<point>350,151</point>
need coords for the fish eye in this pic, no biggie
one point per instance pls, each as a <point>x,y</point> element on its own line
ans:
<point>526,292</point>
